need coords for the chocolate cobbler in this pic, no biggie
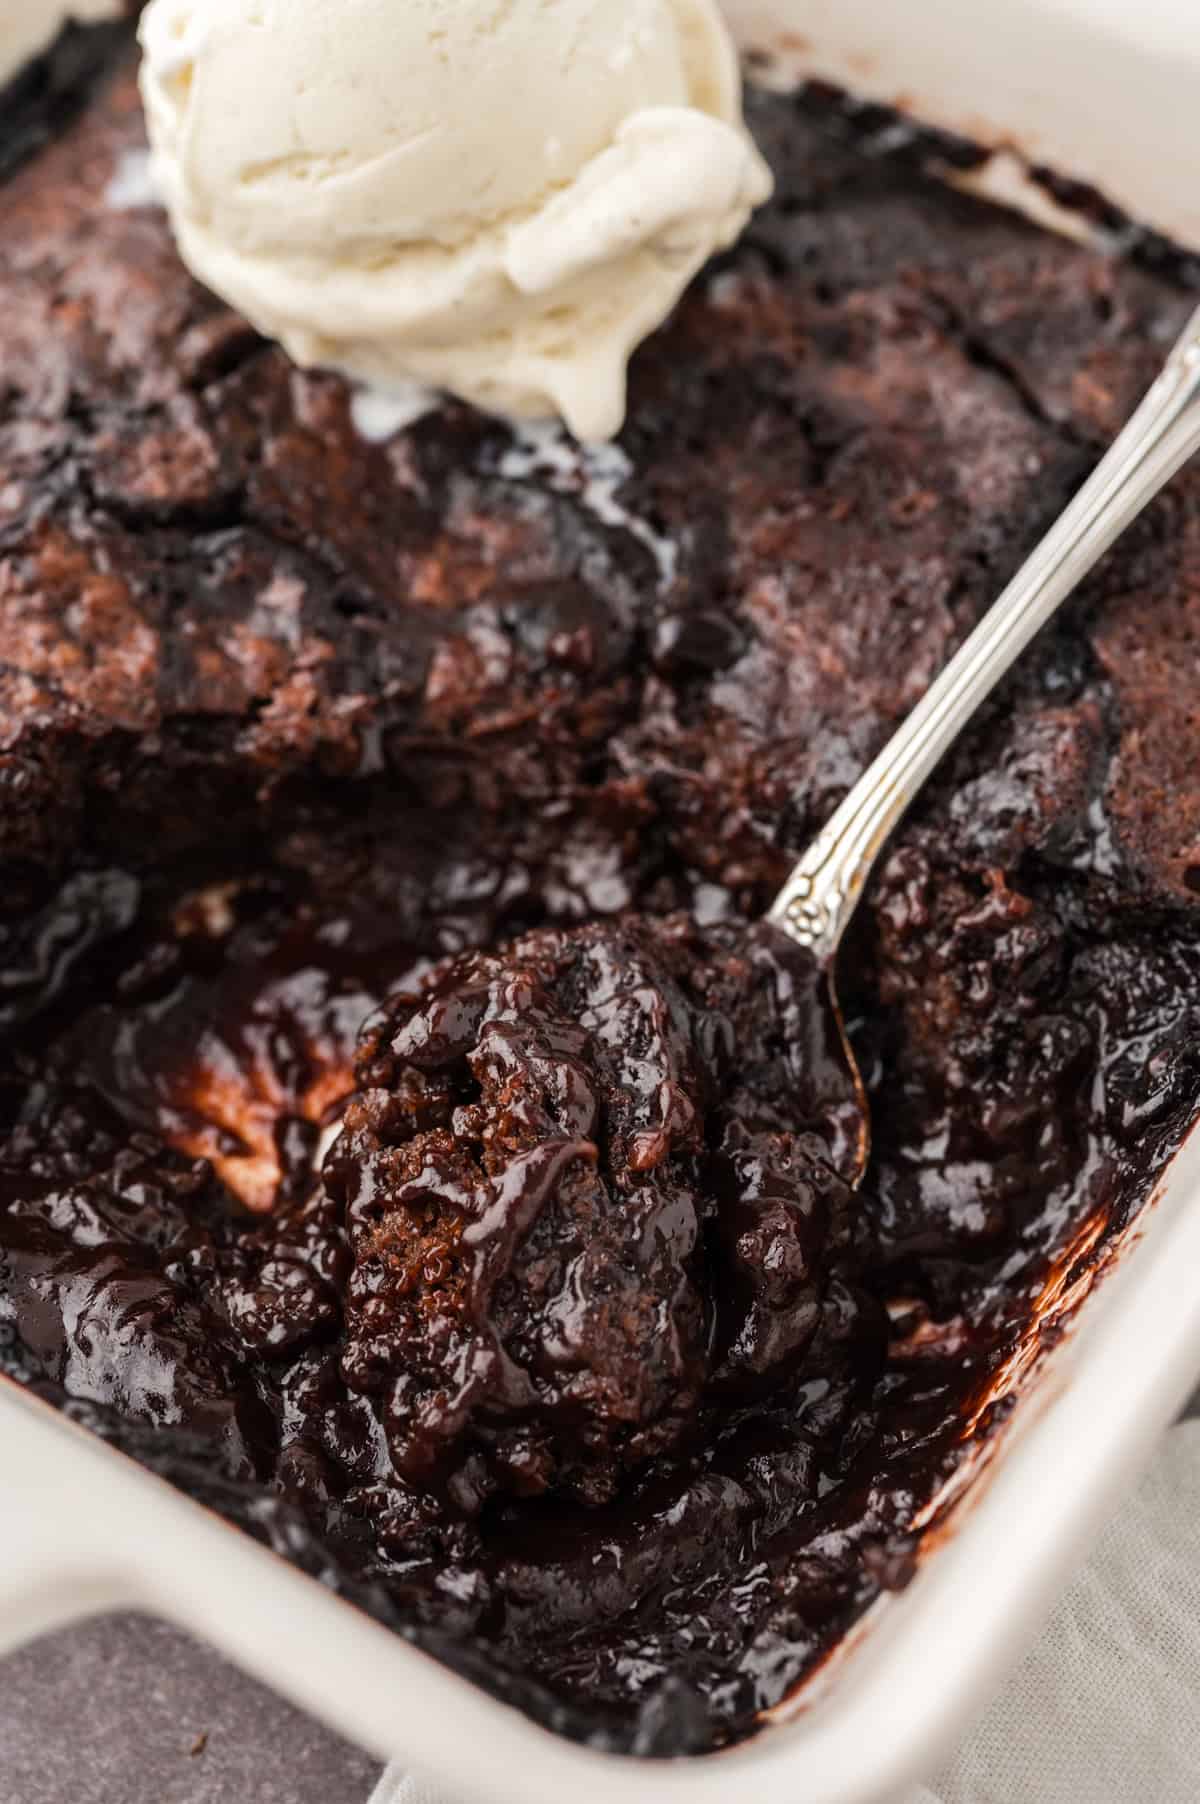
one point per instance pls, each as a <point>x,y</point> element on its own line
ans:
<point>409,1143</point>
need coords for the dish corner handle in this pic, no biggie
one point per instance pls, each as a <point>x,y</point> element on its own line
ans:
<point>62,1555</point>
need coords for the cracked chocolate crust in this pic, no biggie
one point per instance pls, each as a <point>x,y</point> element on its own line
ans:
<point>215,594</point>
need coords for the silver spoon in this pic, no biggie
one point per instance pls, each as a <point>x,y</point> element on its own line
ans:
<point>815,905</point>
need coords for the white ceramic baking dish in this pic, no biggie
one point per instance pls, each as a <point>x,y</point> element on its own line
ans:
<point>82,1530</point>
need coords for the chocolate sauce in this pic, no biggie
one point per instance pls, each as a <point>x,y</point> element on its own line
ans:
<point>583,1199</point>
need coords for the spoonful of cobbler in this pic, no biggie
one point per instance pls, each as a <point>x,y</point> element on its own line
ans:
<point>604,1179</point>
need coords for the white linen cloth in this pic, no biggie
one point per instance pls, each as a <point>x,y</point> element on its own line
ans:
<point>1105,1709</point>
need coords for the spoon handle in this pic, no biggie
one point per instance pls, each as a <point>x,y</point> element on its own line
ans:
<point>815,904</point>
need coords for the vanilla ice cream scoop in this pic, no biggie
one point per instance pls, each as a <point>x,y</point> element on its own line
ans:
<point>496,197</point>
<point>28,26</point>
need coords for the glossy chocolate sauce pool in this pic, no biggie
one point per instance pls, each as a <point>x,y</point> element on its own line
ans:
<point>400,1135</point>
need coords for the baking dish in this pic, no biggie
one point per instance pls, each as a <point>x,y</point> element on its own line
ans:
<point>875,1714</point>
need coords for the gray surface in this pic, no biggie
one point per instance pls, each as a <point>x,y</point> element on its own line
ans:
<point>128,1711</point>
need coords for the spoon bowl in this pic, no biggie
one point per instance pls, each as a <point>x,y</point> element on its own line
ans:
<point>831,1099</point>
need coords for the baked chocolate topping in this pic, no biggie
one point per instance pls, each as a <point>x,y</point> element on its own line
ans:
<point>501,748</point>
